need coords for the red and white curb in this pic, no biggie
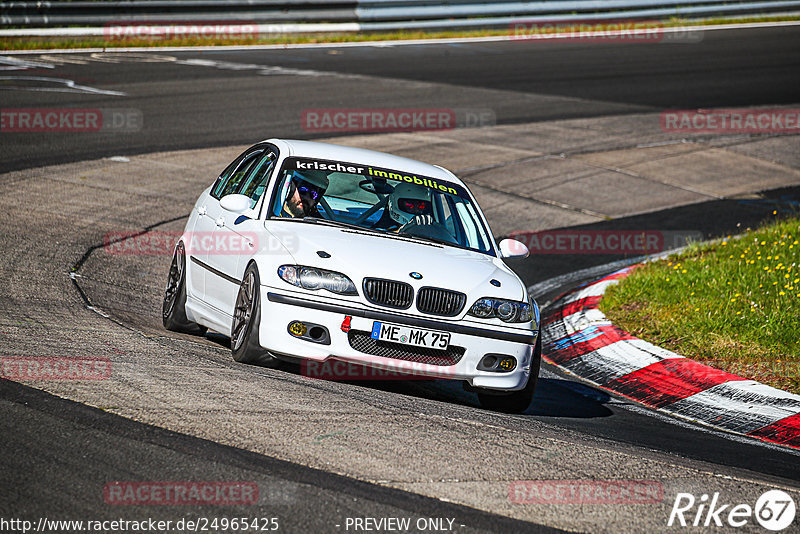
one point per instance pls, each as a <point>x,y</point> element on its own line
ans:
<point>579,338</point>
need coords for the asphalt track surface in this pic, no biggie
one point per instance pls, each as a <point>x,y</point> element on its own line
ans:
<point>63,451</point>
<point>195,106</point>
<point>75,441</point>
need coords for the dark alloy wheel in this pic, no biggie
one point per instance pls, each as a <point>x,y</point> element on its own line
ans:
<point>173,310</point>
<point>246,322</point>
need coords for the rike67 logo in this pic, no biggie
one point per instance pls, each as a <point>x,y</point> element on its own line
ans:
<point>774,510</point>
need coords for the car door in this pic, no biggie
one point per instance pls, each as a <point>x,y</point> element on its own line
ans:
<point>202,253</point>
<point>195,273</point>
<point>235,235</point>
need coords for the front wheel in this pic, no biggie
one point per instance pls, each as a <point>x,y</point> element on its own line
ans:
<point>245,343</point>
<point>173,310</point>
<point>517,401</point>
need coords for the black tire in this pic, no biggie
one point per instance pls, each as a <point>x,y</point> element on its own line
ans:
<point>245,344</point>
<point>518,401</point>
<point>173,309</point>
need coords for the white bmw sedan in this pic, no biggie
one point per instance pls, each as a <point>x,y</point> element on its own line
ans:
<point>323,254</point>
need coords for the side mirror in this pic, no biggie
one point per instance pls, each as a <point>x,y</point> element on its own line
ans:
<point>236,203</point>
<point>511,248</point>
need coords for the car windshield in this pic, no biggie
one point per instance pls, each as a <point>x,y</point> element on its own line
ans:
<point>379,200</point>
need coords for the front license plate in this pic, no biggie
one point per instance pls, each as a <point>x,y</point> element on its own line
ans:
<point>410,336</point>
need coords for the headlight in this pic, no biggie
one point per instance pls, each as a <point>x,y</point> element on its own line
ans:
<point>484,308</point>
<point>338,283</point>
<point>509,311</point>
<point>313,279</point>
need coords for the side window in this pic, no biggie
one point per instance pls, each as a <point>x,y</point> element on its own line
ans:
<point>476,237</point>
<point>232,177</point>
<point>241,172</point>
<point>223,177</point>
<point>450,220</point>
<point>256,182</point>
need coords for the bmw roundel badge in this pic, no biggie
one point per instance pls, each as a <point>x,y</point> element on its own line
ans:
<point>415,275</point>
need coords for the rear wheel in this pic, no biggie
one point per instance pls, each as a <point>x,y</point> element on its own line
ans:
<point>173,310</point>
<point>518,401</point>
<point>246,322</point>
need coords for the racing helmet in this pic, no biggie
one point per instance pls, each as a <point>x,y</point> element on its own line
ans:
<point>407,201</point>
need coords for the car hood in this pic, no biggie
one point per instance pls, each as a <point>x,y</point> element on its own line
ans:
<point>364,254</point>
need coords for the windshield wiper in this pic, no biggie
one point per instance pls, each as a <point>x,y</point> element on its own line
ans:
<point>421,238</point>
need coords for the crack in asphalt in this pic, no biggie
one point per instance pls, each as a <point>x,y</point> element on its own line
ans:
<point>76,267</point>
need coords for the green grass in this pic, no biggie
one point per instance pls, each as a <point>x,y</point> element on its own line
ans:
<point>41,43</point>
<point>732,304</point>
<point>47,43</point>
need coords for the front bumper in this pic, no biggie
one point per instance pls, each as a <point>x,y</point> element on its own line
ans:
<point>280,308</point>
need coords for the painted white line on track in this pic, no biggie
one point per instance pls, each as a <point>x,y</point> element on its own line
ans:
<point>66,86</point>
<point>12,63</point>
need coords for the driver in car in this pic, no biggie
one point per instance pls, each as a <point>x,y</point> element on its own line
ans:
<point>410,205</point>
<point>305,191</point>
